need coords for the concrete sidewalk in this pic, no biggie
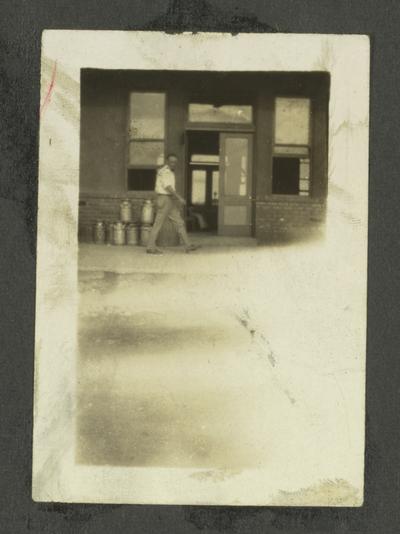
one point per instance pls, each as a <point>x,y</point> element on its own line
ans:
<point>216,254</point>
<point>229,357</point>
<point>128,259</point>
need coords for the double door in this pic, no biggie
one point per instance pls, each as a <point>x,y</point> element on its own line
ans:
<point>222,193</point>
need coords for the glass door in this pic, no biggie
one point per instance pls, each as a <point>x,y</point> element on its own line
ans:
<point>202,205</point>
<point>235,195</point>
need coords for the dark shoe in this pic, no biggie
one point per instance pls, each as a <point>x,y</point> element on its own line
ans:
<point>154,251</point>
<point>192,248</point>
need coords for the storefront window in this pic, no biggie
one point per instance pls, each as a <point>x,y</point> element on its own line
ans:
<point>145,152</point>
<point>292,121</point>
<point>141,179</point>
<point>291,157</point>
<point>224,114</point>
<point>146,129</point>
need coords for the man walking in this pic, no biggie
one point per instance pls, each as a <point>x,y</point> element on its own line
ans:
<point>168,203</point>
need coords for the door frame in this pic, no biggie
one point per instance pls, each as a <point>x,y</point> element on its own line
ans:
<point>233,130</point>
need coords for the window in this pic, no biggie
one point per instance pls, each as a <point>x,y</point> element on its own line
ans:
<point>204,186</point>
<point>141,179</point>
<point>291,157</point>
<point>205,159</point>
<point>215,187</point>
<point>146,129</point>
<point>199,184</point>
<point>224,114</point>
<point>236,166</point>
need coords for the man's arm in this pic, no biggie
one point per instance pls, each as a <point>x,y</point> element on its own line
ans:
<point>178,197</point>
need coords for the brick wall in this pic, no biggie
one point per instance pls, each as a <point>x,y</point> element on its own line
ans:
<point>289,218</point>
<point>274,218</point>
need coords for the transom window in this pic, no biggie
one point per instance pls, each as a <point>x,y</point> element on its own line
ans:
<point>205,159</point>
<point>231,114</point>
<point>291,156</point>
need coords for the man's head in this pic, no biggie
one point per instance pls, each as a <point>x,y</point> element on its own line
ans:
<point>172,160</point>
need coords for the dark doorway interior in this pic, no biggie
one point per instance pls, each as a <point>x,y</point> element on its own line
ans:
<point>203,181</point>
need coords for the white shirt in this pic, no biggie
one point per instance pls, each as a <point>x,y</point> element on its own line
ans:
<point>165,178</point>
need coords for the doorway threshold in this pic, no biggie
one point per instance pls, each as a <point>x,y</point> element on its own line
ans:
<point>210,239</point>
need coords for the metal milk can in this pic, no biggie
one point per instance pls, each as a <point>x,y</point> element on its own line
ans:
<point>87,233</point>
<point>132,234</point>
<point>119,234</point>
<point>110,233</point>
<point>147,212</point>
<point>99,233</point>
<point>144,234</point>
<point>126,211</point>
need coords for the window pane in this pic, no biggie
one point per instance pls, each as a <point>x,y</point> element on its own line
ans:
<point>147,116</point>
<point>292,121</point>
<point>304,169</point>
<point>230,114</point>
<point>286,176</point>
<point>304,184</point>
<point>291,176</point>
<point>204,158</point>
<point>141,179</point>
<point>146,153</point>
<point>215,186</point>
<point>236,166</point>
<point>291,150</point>
<point>199,187</point>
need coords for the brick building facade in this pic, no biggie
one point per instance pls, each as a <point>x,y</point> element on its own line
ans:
<point>252,147</point>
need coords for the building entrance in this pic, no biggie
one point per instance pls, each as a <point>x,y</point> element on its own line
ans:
<point>203,181</point>
<point>219,182</point>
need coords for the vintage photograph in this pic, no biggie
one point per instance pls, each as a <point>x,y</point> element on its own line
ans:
<point>202,269</point>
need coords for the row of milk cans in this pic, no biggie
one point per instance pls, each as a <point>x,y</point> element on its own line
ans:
<point>126,231</point>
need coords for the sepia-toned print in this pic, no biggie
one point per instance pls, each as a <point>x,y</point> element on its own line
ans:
<point>202,261</point>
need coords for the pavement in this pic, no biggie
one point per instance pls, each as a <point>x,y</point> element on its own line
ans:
<point>233,356</point>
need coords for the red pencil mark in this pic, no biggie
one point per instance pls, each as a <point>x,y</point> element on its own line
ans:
<point>47,98</point>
